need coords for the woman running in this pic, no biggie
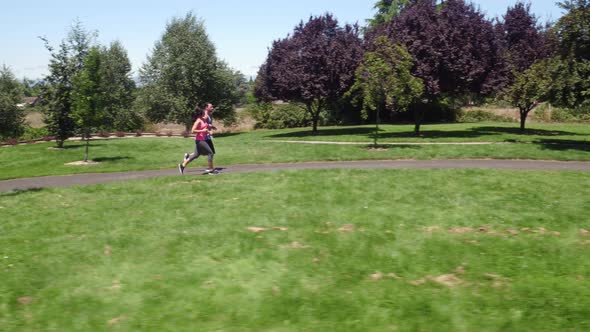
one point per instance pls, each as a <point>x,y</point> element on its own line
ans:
<point>201,129</point>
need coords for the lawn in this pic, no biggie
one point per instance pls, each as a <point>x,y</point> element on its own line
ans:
<point>342,250</point>
<point>262,147</point>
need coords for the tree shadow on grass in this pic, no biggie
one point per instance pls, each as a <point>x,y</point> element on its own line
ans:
<point>326,132</point>
<point>69,147</point>
<point>102,159</point>
<point>516,131</point>
<point>17,192</point>
<point>564,145</point>
<point>471,133</point>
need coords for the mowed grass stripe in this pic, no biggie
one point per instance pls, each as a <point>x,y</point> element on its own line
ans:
<point>541,142</point>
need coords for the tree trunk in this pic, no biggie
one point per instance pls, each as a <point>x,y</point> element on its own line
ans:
<point>315,116</point>
<point>418,115</point>
<point>87,144</point>
<point>377,121</point>
<point>523,115</point>
<point>60,143</point>
<point>314,129</point>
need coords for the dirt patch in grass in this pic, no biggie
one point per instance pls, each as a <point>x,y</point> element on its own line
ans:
<point>380,275</point>
<point>255,229</point>
<point>347,228</point>
<point>116,320</point>
<point>449,280</point>
<point>25,300</point>
<point>82,163</point>
<point>296,245</point>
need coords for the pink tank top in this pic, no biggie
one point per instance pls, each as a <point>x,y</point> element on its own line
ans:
<point>201,136</point>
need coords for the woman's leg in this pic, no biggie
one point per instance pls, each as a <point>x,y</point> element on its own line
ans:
<point>193,156</point>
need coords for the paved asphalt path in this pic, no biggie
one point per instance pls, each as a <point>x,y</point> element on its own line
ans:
<point>94,178</point>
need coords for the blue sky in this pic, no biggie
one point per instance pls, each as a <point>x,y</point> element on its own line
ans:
<point>241,30</point>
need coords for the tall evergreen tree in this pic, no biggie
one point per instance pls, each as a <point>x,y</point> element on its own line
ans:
<point>64,65</point>
<point>12,118</point>
<point>183,70</point>
<point>117,89</point>
<point>87,101</point>
<point>573,30</point>
<point>387,10</point>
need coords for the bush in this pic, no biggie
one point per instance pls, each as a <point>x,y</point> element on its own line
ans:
<point>150,128</point>
<point>280,116</point>
<point>570,115</point>
<point>186,134</point>
<point>34,133</point>
<point>138,133</point>
<point>481,116</point>
<point>169,133</point>
<point>120,134</point>
<point>104,134</point>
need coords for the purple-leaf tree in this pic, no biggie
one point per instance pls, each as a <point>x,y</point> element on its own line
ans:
<point>523,37</point>
<point>314,66</point>
<point>454,47</point>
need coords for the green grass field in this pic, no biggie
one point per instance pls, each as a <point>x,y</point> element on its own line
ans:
<point>342,250</point>
<point>347,250</point>
<point>261,147</point>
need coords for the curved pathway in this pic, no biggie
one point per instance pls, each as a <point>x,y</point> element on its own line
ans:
<point>95,178</point>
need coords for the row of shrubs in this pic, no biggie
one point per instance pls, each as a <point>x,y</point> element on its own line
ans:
<point>33,135</point>
<point>279,116</point>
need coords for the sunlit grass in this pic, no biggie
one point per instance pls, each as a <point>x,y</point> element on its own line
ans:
<point>343,250</point>
<point>262,147</point>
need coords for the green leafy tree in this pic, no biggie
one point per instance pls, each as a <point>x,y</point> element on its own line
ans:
<point>569,70</point>
<point>182,71</point>
<point>573,29</point>
<point>570,83</point>
<point>64,65</point>
<point>87,107</point>
<point>12,118</point>
<point>117,89</point>
<point>384,80</point>
<point>529,89</point>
